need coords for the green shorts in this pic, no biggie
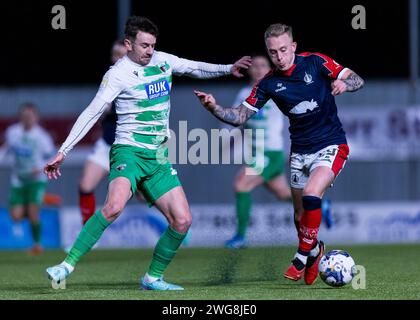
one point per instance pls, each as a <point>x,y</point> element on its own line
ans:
<point>148,170</point>
<point>273,165</point>
<point>29,193</point>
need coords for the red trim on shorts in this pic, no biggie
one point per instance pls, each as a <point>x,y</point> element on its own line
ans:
<point>340,159</point>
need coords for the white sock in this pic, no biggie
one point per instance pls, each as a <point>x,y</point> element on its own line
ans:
<point>301,257</point>
<point>149,279</point>
<point>68,266</point>
<point>314,252</point>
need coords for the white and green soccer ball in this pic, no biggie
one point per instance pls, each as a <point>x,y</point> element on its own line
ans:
<point>337,268</point>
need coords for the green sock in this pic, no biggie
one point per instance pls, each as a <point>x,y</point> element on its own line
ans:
<point>243,211</point>
<point>36,232</point>
<point>165,251</point>
<point>88,236</point>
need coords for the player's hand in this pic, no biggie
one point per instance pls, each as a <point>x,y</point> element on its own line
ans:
<point>52,169</point>
<point>206,99</point>
<point>243,63</point>
<point>338,87</point>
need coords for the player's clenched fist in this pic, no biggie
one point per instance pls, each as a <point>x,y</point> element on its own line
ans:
<point>52,169</point>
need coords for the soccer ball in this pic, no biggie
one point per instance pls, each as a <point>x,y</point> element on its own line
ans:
<point>337,268</point>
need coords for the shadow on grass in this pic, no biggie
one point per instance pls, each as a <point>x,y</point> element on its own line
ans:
<point>223,270</point>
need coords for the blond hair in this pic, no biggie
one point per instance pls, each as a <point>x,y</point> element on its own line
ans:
<point>278,29</point>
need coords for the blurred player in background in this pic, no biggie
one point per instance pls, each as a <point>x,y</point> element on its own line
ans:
<point>97,164</point>
<point>269,119</point>
<point>303,86</point>
<point>30,145</point>
<point>140,84</point>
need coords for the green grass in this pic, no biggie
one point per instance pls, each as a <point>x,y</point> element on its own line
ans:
<point>392,272</point>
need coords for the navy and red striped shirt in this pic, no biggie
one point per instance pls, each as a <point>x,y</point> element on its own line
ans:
<point>303,94</point>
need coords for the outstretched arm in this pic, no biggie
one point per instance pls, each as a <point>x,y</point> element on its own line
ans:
<point>204,70</point>
<point>349,82</point>
<point>233,116</point>
<point>84,123</point>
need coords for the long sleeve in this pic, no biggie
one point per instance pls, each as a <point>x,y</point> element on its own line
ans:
<point>84,123</point>
<point>197,69</point>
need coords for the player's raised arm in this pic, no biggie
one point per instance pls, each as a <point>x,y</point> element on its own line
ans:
<point>349,82</point>
<point>204,70</point>
<point>234,116</point>
<point>84,123</point>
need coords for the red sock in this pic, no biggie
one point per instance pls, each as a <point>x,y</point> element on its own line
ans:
<point>87,204</point>
<point>309,223</point>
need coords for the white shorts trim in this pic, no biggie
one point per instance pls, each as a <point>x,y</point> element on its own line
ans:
<point>100,154</point>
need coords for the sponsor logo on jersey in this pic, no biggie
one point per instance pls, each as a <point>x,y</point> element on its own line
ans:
<point>307,78</point>
<point>157,89</point>
<point>304,107</point>
<point>135,73</point>
<point>280,87</point>
<point>173,171</point>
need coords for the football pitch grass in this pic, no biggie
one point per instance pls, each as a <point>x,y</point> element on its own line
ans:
<point>392,272</point>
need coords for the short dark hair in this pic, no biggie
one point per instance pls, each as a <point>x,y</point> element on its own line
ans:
<point>135,24</point>
<point>278,29</point>
<point>28,106</point>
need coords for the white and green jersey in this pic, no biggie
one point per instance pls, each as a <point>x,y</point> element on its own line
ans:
<point>29,150</point>
<point>269,118</point>
<point>141,96</point>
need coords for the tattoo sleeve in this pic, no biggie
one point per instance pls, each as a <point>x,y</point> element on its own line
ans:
<point>233,116</point>
<point>353,82</point>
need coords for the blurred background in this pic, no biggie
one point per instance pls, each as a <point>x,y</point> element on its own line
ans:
<point>375,199</point>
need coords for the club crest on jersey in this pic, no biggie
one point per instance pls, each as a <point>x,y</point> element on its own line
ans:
<point>163,68</point>
<point>157,89</point>
<point>121,167</point>
<point>307,78</point>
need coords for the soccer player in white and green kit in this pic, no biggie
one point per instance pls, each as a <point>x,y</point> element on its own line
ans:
<point>30,146</point>
<point>140,86</point>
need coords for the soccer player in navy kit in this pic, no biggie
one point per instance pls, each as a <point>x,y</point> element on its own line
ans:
<point>303,86</point>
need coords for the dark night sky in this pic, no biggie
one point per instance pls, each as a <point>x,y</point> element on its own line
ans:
<point>34,53</point>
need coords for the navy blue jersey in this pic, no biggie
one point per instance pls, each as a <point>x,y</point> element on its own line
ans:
<point>303,94</point>
<point>109,125</point>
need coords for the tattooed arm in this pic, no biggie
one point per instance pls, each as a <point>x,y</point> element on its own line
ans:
<point>233,116</point>
<point>349,82</point>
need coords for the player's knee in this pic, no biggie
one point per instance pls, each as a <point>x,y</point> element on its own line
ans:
<point>182,223</point>
<point>16,217</point>
<point>112,210</point>
<point>283,194</point>
<point>240,186</point>
<point>310,192</point>
<point>85,187</point>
